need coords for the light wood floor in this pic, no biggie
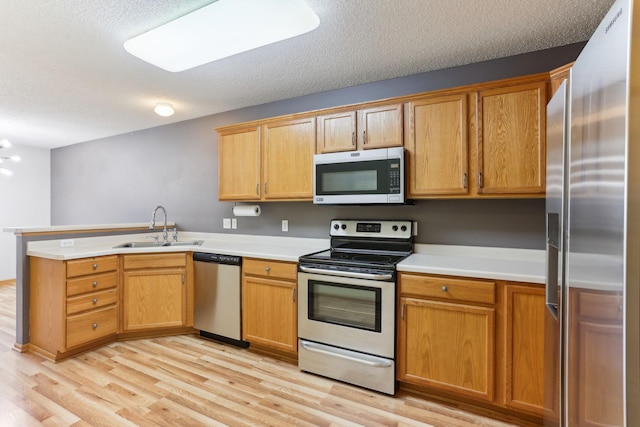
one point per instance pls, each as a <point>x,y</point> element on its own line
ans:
<point>189,381</point>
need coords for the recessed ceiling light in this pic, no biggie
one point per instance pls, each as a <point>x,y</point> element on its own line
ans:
<point>221,29</point>
<point>164,109</point>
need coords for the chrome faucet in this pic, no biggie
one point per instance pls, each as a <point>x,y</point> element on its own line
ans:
<point>152,225</point>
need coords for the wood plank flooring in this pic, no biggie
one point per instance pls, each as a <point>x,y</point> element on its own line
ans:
<point>190,381</point>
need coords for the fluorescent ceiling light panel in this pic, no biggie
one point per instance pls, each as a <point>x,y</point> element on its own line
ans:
<point>222,29</point>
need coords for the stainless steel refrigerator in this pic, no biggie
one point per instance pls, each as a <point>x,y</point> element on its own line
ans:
<point>592,372</point>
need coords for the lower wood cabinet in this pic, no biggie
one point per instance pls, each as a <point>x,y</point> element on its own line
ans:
<point>73,304</point>
<point>154,291</point>
<point>524,359</point>
<point>79,304</point>
<point>596,365</point>
<point>476,340</point>
<point>446,345</point>
<point>269,304</point>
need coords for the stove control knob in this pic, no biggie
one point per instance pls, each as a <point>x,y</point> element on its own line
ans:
<point>344,226</point>
<point>394,228</point>
<point>336,227</point>
<point>403,228</point>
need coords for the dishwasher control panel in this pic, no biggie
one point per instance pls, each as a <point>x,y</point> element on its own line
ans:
<point>217,258</point>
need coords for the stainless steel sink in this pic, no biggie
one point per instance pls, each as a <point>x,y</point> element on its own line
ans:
<point>191,243</point>
<point>159,244</point>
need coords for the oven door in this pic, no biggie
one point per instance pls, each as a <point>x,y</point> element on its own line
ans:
<point>352,313</point>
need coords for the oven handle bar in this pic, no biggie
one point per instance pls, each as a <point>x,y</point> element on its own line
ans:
<point>355,275</point>
<point>319,348</point>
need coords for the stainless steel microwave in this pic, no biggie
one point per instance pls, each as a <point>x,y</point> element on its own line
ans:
<point>359,177</point>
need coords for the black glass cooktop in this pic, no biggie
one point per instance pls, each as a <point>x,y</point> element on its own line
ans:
<point>384,260</point>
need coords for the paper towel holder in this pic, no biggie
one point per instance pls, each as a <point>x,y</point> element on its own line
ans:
<point>246,210</point>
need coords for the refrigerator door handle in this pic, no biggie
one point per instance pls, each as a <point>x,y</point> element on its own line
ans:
<point>551,288</point>
<point>551,293</point>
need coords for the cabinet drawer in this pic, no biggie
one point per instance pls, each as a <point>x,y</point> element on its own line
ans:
<point>90,326</point>
<point>91,301</point>
<point>600,305</point>
<point>268,268</point>
<point>448,288</point>
<point>91,283</point>
<point>82,267</point>
<point>155,261</point>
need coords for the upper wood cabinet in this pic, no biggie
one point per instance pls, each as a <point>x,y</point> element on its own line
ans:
<point>484,140</point>
<point>239,164</point>
<point>267,162</point>
<point>511,123</point>
<point>437,144</point>
<point>557,76</point>
<point>375,127</point>
<point>288,149</point>
<point>336,132</point>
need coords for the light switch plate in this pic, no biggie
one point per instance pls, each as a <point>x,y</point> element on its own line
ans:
<point>234,223</point>
<point>285,225</point>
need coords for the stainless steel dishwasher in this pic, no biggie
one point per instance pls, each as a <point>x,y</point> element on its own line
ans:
<point>218,298</point>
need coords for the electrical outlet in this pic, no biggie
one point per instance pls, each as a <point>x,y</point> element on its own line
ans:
<point>415,228</point>
<point>226,223</point>
<point>285,225</point>
<point>234,223</point>
<point>66,243</point>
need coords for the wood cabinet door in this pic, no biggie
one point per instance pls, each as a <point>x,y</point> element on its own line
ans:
<point>288,159</point>
<point>336,132</point>
<point>380,127</point>
<point>524,376</point>
<point>154,298</point>
<point>511,139</point>
<point>436,143</point>
<point>269,313</point>
<point>596,358</point>
<point>239,165</point>
<point>449,347</point>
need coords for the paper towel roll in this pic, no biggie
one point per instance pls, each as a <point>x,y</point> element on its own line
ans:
<point>246,210</point>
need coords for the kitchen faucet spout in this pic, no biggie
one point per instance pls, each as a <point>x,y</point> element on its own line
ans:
<point>152,225</point>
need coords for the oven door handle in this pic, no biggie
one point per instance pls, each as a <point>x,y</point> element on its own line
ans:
<point>351,274</point>
<point>337,352</point>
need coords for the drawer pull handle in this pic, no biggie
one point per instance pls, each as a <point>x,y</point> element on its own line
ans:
<point>445,289</point>
<point>95,284</point>
<point>95,266</point>
<point>267,269</point>
<point>94,326</point>
<point>95,300</point>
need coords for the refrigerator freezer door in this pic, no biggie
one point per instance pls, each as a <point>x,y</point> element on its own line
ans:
<point>595,267</point>
<point>557,143</point>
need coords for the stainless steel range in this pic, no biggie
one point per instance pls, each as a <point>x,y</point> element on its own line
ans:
<point>347,303</point>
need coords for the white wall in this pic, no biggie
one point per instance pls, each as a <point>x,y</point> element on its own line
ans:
<point>25,199</point>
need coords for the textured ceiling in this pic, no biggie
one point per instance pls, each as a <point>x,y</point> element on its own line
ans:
<point>65,77</point>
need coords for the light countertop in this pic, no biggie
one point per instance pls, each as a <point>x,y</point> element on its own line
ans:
<point>522,265</point>
<point>518,265</point>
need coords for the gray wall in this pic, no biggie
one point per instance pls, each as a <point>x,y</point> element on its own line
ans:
<point>122,178</point>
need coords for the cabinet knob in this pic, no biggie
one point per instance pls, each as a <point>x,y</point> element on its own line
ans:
<point>94,326</point>
<point>445,289</point>
<point>95,266</point>
<point>267,269</point>
<point>95,300</point>
<point>95,284</point>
